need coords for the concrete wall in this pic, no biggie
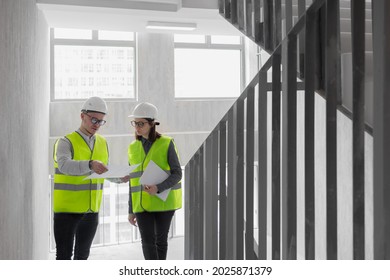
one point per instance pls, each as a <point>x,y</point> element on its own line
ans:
<point>187,121</point>
<point>24,114</point>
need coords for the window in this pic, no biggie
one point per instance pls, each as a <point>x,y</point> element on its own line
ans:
<point>64,33</point>
<point>90,62</point>
<point>211,69</point>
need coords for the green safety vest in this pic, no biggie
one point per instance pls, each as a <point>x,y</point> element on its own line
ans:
<point>73,194</point>
<point>141,200</point>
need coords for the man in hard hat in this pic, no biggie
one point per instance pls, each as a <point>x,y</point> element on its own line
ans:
<point>77,201</point>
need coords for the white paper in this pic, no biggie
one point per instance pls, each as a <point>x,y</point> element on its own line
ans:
<point>114,171</point>
<point>154,175</point>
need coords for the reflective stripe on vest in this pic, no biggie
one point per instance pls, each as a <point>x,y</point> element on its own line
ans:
<point>73,194</point>
<point>141,200</point>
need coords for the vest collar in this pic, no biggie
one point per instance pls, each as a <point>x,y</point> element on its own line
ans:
<point>146,141</point>
<point>85,136</point>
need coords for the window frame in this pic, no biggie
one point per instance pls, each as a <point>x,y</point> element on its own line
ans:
<point>209,45</point>
<point>90,42</point>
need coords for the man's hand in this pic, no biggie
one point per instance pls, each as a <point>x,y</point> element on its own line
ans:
<point>125,179</point>
<point>98,167</point>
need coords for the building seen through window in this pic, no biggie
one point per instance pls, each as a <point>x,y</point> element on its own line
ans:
<point>89,62</point>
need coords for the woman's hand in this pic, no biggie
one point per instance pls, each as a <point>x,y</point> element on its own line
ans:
<point>132,219</point>
<point>151,189</point>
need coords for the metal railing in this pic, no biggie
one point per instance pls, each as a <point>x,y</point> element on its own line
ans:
<point>223,217</point>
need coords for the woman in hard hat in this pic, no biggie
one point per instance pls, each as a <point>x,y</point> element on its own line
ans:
<point>152,206</point>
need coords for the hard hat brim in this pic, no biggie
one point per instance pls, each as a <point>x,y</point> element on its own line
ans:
<point>139,117</point>
<point>94,111</point>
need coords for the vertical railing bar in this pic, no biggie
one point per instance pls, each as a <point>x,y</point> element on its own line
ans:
<point>268,25</point>
<point>196,209</point>
<point>193,205</point>
<point>381,45</point>
<point>292,148</point>
<point>289,149</point>
<point>222,192</point>
<point>301,39</point>
<point>239,186</point>
<point>231,175</point>
<point>310,47</point>
<point>332,89</point>
<point>276,156</point>
<point>277,22</point>
<point>257,20</point>
<point>199,207</point>
<point>241,15</point>
<point>233,11</point>
<point>288,6</point>
<point>207,198</point>
<point>227,9</point>
<point>192,210</point>
<point>284,149</point>
<point>248,18</point>
<point>301,7</point>
<point>263,165</point>
<point>200,197</point>
<point>250,151</point>
<point>221,7</point>
<point>211,197</point>
<point>214,194</point>
<point>358,58</point>
<point>188,229</point>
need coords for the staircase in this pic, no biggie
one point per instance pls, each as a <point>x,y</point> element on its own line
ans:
<point>273,180</point>
<point>289,13</point>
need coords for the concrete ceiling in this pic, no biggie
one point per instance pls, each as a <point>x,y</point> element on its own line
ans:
<point>132,15</point>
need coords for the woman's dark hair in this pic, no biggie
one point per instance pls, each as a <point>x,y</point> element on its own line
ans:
<point>153,134</point>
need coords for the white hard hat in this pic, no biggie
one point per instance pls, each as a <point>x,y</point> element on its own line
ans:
<point>144,110</point>
<point>95,104</point>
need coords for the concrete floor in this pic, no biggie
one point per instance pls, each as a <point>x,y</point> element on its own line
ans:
<point>133,251</point>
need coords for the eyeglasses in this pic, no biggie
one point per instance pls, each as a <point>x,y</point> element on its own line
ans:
<point>139,124</point>
<point>96,121</point>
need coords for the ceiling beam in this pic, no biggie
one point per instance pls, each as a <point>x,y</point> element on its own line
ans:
<point>200,4</point>
<point>120,4</point>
